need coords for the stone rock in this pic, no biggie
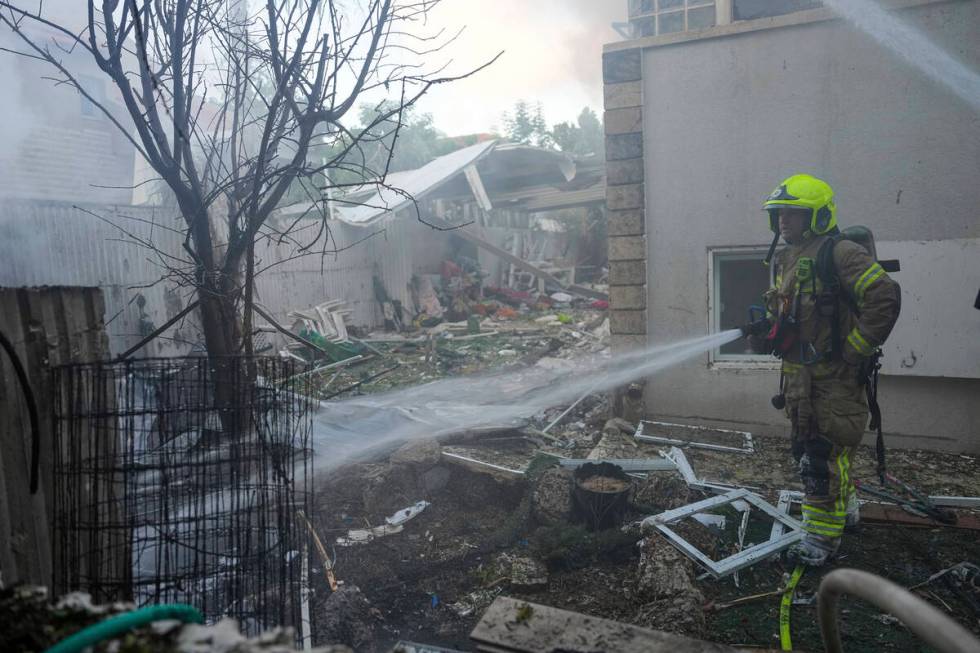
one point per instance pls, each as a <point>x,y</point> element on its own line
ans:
<point>424,453</point>
<point>552,496</point>
<point>526,574</point>
<point>682,615</point>
<point>620,425</point>
<point>225,637</point>
<point>666,581</point>
<point>346,617</point>
<point>699,535</point>
<point>663,571</point>
<point>665,490</point>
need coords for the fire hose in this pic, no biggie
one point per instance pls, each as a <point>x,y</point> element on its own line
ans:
<point>929,624</point>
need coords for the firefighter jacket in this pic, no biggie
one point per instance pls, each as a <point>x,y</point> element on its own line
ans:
<point>823,384</point>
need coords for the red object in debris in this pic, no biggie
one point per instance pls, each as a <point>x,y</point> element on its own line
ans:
<point>451,269</point>
<point>600,305</point>
<point>509,295</point>
<point>506,313</point>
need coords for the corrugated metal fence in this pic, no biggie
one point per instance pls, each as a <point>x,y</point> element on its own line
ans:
<point>54,243</point>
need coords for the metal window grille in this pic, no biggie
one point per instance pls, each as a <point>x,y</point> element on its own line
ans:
<point>164,493</point>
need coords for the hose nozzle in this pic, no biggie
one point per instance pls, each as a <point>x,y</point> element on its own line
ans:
<point>758,325</point>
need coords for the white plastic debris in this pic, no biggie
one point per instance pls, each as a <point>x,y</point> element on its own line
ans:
<point>561,297</point>
<point>393,524</point>
<point>707,519</point>
<point>365,535</point>
<point>405,514</point>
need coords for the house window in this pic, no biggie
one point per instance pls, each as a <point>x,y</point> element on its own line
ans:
<point>751,9</point>
<point>738,279</point>
<point>657,17</point>
<point>95,87</point>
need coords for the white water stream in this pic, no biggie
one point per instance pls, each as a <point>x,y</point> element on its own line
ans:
<point>361,427</point>
<point>890,30</point>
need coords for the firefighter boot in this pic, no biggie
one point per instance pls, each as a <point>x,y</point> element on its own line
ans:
<point>813,551</point>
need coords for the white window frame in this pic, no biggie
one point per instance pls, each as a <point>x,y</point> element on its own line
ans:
<point>722,14</point>
<point>716,360</point>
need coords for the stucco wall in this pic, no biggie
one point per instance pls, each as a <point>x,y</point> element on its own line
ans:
<point>725,118</point>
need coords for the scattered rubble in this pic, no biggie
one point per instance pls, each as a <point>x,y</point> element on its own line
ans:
<point>32,623</point>
<point>348,618</point>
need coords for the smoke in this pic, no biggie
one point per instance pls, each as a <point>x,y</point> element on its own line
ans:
<point>552,54</point>
<point>18,120</point>
<point>584,42</point>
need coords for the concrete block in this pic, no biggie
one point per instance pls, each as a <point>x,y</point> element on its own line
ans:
<point>622,343</point>
<point>627,297</point>
<point>624,197</point>
<point>629,222</point>
<point>627,248</point>
<point>622,95</point>
<point>622,66</point>
<point>623,121</point>
<point>628,322</point>
<point>627,273</point>
<point>624,146</point>
<point>628,171</point>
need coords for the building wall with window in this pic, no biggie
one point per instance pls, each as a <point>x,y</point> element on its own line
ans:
<point>700,128</point>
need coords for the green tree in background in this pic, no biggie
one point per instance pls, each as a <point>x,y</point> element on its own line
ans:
<point>584,139</point>
<point>418,140</point>
<point>526,124</point>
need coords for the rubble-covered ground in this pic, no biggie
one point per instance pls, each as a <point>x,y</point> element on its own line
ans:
<point>514,529</point>
<point>488,532</point>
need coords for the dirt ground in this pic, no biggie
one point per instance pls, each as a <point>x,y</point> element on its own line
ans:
<point>486,535</point>
<point>431,582</point>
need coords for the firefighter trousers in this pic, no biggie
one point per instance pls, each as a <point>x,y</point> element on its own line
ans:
<point>825,470</point>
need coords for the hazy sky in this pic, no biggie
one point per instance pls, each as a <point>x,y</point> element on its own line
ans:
<point>552,54</point>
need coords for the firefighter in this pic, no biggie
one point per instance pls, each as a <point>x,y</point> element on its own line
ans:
<point>826,334</point>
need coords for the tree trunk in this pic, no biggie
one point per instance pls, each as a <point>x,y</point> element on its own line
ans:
<point>222,337</point>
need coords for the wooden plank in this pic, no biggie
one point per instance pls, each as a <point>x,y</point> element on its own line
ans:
<point>476,185</point>
<point>49,326</point>
<point>518,626</point>
<point>881,513</point>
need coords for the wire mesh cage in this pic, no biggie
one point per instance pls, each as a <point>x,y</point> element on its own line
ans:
<point>184,480</point>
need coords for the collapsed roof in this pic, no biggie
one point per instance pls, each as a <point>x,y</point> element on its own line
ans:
<point>493,173</point>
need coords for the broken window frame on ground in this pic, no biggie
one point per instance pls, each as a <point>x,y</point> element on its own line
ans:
<point>748,447</point>
<point>745,558</point>
<point>676,456</point>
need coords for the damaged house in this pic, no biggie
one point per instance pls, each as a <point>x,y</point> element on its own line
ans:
<point>522,216</point>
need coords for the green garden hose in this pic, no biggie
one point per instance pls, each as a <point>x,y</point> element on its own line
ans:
<point>123,623</point>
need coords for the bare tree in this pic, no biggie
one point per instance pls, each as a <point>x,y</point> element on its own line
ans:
<point>227,99</point>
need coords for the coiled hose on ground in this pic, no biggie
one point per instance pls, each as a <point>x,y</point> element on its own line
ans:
<point>123,623</point>
<point>929,624</point>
